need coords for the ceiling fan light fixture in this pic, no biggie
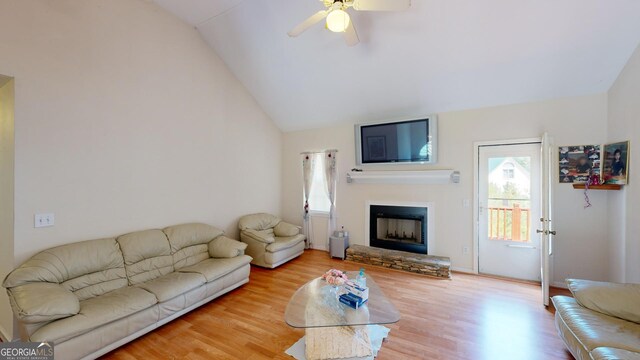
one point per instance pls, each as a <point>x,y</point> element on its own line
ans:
<point>338,21</point>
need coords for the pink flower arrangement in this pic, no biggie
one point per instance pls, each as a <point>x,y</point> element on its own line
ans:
<point>335,277</point>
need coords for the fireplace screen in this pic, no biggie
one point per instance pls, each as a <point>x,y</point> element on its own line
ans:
<point>404,230</point>
<point>398,228</point>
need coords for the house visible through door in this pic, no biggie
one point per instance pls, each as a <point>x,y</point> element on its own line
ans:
<point>509,194</point>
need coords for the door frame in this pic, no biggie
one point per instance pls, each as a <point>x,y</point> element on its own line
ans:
<point>476,188</point>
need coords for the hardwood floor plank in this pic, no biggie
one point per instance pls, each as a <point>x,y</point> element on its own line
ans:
<point>468,317</point>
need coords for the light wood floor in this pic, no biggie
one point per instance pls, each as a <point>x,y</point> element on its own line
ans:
<point>469,317</point>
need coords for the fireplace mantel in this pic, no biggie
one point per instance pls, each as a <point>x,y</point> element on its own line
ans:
<point>404,177</point>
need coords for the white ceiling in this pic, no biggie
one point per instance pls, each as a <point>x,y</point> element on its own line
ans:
<point>440,55</point>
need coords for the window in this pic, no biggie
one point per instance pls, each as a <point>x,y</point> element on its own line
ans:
<point>318,199</point>
<point>507,171</point>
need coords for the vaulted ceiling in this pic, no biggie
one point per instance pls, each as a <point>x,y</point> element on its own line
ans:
<point>440,55</point>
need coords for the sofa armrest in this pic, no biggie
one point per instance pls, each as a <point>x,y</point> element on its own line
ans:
<point>618,300</point>
<point>224,247</point>
<point>40,302</point>
<point>284,229</point>
<point>258,236</point>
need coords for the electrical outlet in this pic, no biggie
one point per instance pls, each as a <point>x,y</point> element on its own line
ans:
<point>44,220</point>
<point>465,250</point>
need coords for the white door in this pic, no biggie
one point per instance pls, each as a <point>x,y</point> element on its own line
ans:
<point>509,200</point>
<point>545,230</point>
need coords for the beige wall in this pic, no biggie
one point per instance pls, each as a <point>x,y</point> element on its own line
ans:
<point>581,246</point>
<point>6,198</point>
<point>624,124</point>
<point>126,120</point>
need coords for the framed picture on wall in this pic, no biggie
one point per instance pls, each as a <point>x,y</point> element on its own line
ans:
<point>577,163</point>
<point>377,146</point>
<point>616,163</point>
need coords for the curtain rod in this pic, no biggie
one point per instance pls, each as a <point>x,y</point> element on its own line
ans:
<point>318,152</point>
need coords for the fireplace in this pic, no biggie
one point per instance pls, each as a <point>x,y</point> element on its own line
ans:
<point>398,228</point>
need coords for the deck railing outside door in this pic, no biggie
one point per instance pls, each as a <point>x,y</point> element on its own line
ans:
<point>509,223</point>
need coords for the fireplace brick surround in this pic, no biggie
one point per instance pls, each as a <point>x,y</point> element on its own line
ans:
<point>436,266</point>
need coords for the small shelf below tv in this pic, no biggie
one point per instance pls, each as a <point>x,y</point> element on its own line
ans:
<point>599,187</point>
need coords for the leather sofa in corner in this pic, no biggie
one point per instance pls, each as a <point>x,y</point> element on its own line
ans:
<point>601,321</point>
<point>91,297</point>
<point>271,241</point>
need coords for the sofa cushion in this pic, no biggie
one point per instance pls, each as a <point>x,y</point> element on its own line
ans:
<point>171,285</point>
<point>224,247</point>
<point>147,255</point>
<point>591,329</point>
<point>213,269</point>
<point>282,243</point>
<point>285,229</point>
<point>261,221</point>
<point>41,302</point>
<point>619,300</point>
<point>88,268</point>
<point>189,242</point>
<point>273,259</point>
<point>263,236</point>
<point>96,312</point>
<point>607,353</point>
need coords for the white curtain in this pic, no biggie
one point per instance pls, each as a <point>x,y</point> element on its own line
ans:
<point>308,162</point>
<point>330,175</point>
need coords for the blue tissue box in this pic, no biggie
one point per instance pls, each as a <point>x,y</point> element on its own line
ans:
<point>352,300</point>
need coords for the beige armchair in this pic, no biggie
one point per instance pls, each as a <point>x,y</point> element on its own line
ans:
<point>270,241</point>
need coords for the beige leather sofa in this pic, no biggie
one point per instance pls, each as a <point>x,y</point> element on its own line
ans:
<point>601,321</point>
<point>271,241</point>
<point>91,297</point>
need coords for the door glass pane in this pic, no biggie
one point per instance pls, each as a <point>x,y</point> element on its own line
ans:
<point>509,198</point>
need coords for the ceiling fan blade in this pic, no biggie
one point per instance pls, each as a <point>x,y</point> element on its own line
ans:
<point>312,20</point>
<point>350,35</point>
<point>381,5</point>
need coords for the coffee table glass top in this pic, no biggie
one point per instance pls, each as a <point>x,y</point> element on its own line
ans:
<point>316,305</point>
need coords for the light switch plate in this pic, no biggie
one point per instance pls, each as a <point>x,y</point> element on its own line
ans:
<point>44,220</point>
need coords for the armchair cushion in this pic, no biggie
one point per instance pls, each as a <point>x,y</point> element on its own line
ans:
<point>40,302</point>
<point>224,247</point>
<point>285,229</point>
<point>286,242</point>
<point>261,221</point>
<point>617,300</point>
<point>264,236</point>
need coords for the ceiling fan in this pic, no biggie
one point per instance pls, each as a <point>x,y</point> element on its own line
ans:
<point>338,19</point>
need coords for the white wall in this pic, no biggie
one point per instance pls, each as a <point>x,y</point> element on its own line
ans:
<point>126,120</point>
<point>624,124</point>
<point>581,246</point>
<point>6,198</point>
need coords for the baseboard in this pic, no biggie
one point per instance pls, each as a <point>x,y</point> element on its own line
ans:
<point>463,270</point>
<point>559,284</point>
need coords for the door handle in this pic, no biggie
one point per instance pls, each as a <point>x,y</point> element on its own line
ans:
<point>546,232</point>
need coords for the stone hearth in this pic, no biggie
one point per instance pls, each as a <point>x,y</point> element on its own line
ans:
<point>437,266</point>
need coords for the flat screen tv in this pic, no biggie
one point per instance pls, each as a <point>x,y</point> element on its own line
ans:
<point>397,142</point>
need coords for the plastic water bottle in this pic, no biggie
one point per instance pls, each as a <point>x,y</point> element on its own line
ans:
<point>361,280</point>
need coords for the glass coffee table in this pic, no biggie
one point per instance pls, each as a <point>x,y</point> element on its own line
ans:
<point>334,330</point>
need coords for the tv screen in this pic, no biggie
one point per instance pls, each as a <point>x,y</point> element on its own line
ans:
<point>397,142</point>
